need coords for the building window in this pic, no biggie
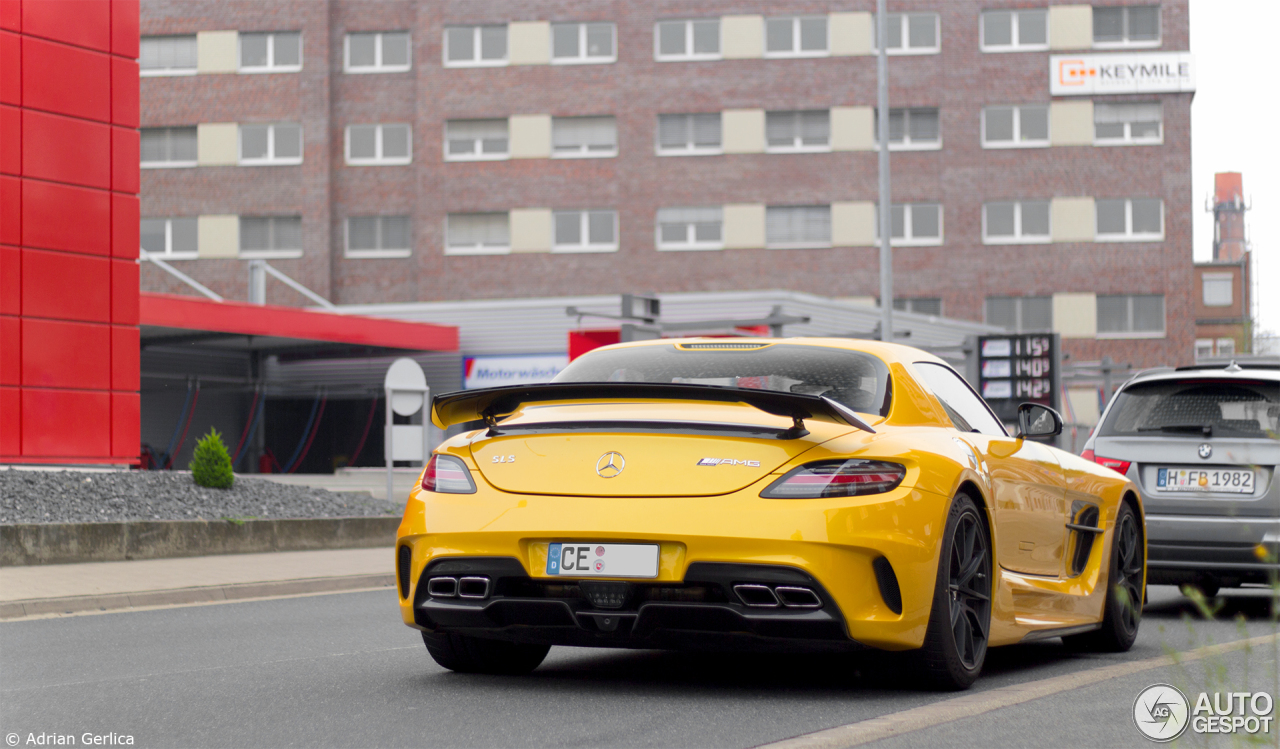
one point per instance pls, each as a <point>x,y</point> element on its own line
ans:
<point>472,46</point>
<point>377,52</point>
<point>266,145</point>
<point>1015,30</point>
<point>1025,126</point>
<point>584,137</point>
<point>798,226</point>
<point>687,40</point>
<point>1217,289</point>
<point>909,33</point>
<point>270,236</point>
<point>1204,347</point>
<point>167,55</point>
<point>1130,219</point>
<point>475,140</point>
<point>1122,124</point>
<point>914,224</point>
<point>920,306</point>
<point>1135,26</point>
<point>477,234</point>
<point>791,132</point>
<point>278,52</point>
<point>1130,316</point>
<point>378,236</point>
<point>378,145</point>
<point>585,231</point>
<point>574,43</point>
<point>1022,222</point>
<point>167,147</point>
<point>169,238</point>
<point>796,37</point>
<point>690,229</point>
<point>688,134</point>
<point>912,129</point>
<point>1020,314</point>
<point>1226,347</point>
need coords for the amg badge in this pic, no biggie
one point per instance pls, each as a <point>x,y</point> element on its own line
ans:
<point>728,462</point>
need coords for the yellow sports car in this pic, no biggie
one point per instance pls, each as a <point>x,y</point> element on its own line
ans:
<point>794,494</point>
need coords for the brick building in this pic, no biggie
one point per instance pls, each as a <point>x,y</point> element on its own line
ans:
<point>423,150</point>
<point>1224,308</point>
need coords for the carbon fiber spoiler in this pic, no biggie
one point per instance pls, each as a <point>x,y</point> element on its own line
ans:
<point>492,404</point>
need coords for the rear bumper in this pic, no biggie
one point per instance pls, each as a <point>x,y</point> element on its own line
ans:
<point>1184,548</point>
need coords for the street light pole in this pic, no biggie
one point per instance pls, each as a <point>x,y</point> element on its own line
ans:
<point>885,207</point>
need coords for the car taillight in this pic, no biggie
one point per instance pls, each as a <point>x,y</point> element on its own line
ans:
<point>447,475</point>
<point>836,478</point>
<point>1119,466</point>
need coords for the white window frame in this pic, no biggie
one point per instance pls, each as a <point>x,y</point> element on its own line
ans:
<point>478,155</point>
<point>907,239</point>
<point>584,58</point>
<point>379,253</point>
<point>477,249</point>
<point>1218,277</point>
<point>1164,320</point>
<point>1127,43</point>
<point>1017,237</point>
<point>689,54</point>
<point>1015,24</point>
<point>379,159</point>
<point>1019,327</point>
<point>907,144</point>
<point>795,50</point>
<point>1017,141</point>
<point>166,164</point>
<point>692,149</point>
<point>270,159</point>
<point>691,243</point>
<point>1127,139</point>
<point>165,72</point>
<point>169,253</point>
<point>584,153</point>
<point>378,66</point>
<point>908,303</point>
<point>584,227</point>
<point>269,254</point>
<point>796,146</point>
<point>802,245</point>
<point>270,67</point>
<point>1204,347</point>
<point>477,62</point>
<point>1225,346</point>
<point>1129,235</point>
<point>906,35</point>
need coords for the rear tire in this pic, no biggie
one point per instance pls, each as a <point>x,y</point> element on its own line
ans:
<point>1125,590</point>
<point>473,655</point>
<point>955,643</point>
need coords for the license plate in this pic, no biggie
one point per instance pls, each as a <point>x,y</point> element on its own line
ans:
<point>603,560</point>
<point>1214,480</point>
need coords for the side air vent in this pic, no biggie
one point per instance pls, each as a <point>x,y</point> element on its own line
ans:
<point>1085,520</point>
<point>888,582</point>
<point>404,558</point>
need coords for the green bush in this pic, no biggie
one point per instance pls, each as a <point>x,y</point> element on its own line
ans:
<point>211,464</point>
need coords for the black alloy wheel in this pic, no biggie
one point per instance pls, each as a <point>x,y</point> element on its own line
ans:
<point>955,643</point>
<point>1126,584</point>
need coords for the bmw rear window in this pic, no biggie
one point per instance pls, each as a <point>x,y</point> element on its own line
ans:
<point>853,378</point>
<point>1196,408</point>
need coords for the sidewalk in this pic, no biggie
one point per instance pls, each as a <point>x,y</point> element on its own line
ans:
<point>102,586</point>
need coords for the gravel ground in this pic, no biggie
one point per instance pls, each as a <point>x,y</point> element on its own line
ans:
<point>87,497</point>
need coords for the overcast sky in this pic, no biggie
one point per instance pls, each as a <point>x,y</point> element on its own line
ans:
<point>1235,127</point>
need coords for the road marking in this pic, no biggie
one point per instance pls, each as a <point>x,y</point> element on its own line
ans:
<point>969,705</point>
<point>183,605</point>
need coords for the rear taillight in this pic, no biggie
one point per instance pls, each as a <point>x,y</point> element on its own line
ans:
<point>836,478</point>
<point>447,475</point>
<point>1119,466</point>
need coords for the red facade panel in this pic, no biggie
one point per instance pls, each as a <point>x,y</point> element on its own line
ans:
<point>65,423</point>
<point>62,286</point>
<point>63,149</point>
<point>10,140</point>
<point>124,160</point>
<point>124,29</point>
<point>10,415</point>
<point>124,92</point>
<point>10,68</point>
<point>86,23</point>
<point>10,350</point>
<point>62,217</point>
<point>11,15</point>
<point>10,210</point>
<point>124,225</point>
<point>125,357</point>
<point>126,425</point>
<point>66,80</point>
<point>124,292</point>
<point>10,281</point>
<point>66,354</point>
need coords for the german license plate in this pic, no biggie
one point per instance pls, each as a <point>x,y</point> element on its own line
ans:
<point>583,559</point>
<point>1209,480</point>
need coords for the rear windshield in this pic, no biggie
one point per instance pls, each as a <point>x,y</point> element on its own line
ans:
<point>859,381</point>
<point>1228,409</point>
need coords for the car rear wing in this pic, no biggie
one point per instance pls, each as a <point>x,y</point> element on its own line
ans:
<point>490,405</point>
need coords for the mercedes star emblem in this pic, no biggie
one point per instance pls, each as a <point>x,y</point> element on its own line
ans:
<point>610,465</point>
<point>1206,450</point>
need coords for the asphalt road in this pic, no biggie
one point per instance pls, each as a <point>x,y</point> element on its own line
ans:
<point>341,670</point>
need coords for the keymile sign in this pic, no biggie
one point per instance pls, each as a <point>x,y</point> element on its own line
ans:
<point>495,371</point>
<point>1131,73</point>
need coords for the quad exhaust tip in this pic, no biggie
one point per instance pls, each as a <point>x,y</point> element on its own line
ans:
<point>442,587</point>
<point>798,598</point>
<point>790,596</point>
<point>454,587</point>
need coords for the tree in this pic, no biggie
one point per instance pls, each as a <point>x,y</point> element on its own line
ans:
<point>211,464</point>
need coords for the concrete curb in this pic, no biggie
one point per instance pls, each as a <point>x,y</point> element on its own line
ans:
<point>69,543</point>
<point>180,596</point>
